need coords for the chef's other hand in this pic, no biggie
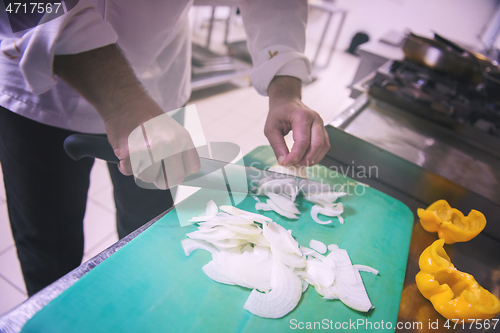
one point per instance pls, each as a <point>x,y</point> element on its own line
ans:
<point>288,113</point>
<point>106,80</point>
<point>158,151</point>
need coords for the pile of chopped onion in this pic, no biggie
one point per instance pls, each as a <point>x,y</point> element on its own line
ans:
<point>283,192</point>
<point>252,251</point>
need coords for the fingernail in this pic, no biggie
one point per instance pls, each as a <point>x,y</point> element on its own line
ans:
<point>281,159</point>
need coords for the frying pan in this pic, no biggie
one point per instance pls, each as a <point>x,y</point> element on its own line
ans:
<point>440,57</point>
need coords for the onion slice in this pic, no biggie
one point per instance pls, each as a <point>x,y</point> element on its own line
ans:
<point>284,203</point>
<point>364,268</point>
<point>318,246</point>
<point>348,285</point>
<point>315,210</point>
<point>244,214</point>
<point>211,211</point>
<point>213,271</point>
<point>286,186</point>
<point>330,210</point>
<point>189,245</point>
<point>286,289</point>
<point>280,211</point>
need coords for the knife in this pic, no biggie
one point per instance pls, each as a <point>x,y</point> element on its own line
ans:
<point>235,176</point>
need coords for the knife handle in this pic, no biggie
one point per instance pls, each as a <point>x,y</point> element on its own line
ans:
<point>78,146</point>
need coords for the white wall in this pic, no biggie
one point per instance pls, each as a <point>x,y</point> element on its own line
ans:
<point>460,20</point>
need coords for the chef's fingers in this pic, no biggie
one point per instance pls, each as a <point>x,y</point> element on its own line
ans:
<point>318,141</point>
<point>125,167</point>
<point>174,169</point>
<point>152,174</point>
<point>326,147</point>
<point>302,139</point>
<point>191,161</point>
<point>276,139</point>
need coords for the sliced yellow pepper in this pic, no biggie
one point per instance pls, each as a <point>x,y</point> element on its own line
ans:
<point>450,224</point>
<point>454,294</point>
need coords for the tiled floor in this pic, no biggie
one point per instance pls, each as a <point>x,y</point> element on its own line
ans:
<point>235,115</point>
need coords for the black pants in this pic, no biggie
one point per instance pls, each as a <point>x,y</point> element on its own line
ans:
<point>46,197</point>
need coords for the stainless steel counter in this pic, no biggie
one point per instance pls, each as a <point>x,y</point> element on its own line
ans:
<point>418,162</point>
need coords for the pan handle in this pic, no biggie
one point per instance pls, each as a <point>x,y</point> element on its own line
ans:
<point>448,42</point>
<point>78,146</point>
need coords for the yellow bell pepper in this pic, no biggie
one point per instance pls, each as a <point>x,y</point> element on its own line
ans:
<point>450,224</point>
<point>454,294</point>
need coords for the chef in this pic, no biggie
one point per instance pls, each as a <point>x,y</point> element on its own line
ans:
<point>107,67</point>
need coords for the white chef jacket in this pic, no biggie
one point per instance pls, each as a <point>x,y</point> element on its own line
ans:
<point>155,38</point>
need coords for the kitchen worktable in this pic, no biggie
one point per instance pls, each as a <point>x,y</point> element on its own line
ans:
<point>477,257</point>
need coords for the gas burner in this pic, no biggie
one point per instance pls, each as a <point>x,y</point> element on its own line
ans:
<point>439,98</point>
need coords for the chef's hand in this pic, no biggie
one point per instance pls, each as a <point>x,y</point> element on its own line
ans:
<point>105,79</point>
<point>288,113</point>
<point>159,151</point>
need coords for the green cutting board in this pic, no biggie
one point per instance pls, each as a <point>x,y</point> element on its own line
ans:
<point>151,286</point>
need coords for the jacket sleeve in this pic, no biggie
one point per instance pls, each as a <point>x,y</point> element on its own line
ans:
<point>80,29</point>
<point>276,40</point>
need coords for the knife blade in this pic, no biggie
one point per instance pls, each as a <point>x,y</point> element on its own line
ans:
<point>213,174</point>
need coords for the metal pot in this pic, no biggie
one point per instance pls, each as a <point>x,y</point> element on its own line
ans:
<point>440,57</point>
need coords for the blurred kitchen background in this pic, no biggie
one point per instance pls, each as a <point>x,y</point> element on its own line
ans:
<point>230,110</point>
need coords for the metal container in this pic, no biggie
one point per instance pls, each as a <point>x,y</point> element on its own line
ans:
<point>440,57</point>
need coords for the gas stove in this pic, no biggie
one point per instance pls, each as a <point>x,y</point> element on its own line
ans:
<point>448,102</point>
<point>445,126</point>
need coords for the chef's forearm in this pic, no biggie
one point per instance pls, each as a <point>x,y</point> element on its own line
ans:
<point>103,77</point>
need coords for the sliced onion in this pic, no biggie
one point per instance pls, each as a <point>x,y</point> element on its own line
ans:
<point>226,244</point>
<point>287,187</point>
<point>286,289</point>
<point>284,203</point>
<point>292,243</point>
<point>213,271</point>
<point>249,269</point>
<point>262,206</point>
<point>213,234</point>
<point>254,269</point>
<point>332,210</point>
<point>318,246</point>
<point>315,210</point>
<point>321,273</point>
<point>348,285</point>
<point>281,211</point>
<point>353,295</point>
<point>310,252</point>
<point>244,229</point>
<point>229,219</point>
<point>189,245</point>
<point>333,247</point>
<point>277,236</point>
<point>305,285</point>
<point>244,214</point>
<point>261,251</point>
<point>212,209</point>
<point>269,259</point>
<point>210,212</point>
<point>365,268</point>
<point>327,293</point>
<point>287,258</point>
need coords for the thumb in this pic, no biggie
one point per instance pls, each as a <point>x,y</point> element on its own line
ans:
<point>277,142</point>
